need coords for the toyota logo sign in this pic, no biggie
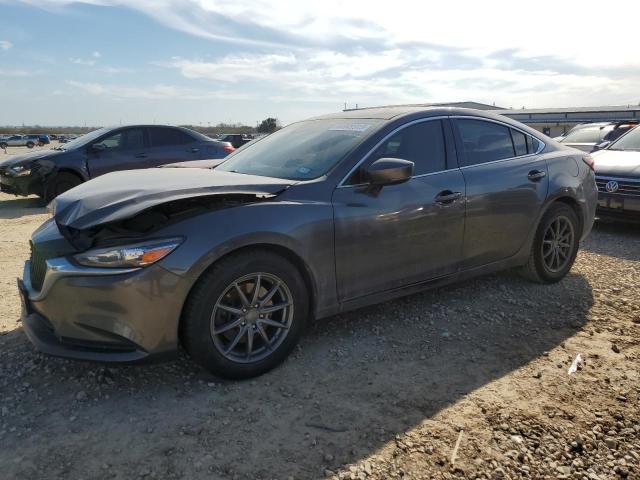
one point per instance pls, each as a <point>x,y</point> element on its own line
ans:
<point>611,186</point>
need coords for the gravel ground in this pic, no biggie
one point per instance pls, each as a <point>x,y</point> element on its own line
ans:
<point>383,392</point>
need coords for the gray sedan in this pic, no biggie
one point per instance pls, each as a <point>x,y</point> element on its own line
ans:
<point>321,217</point>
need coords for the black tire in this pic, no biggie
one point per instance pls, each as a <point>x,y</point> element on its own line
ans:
<point>537,268</point>
<point>59,184</point>
<point>199,314</point>
<point>3,145</point>
<point>30,144</point>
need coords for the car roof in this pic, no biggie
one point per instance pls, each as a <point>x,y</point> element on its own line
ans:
<point>392,113</point>
<point>398,111</point>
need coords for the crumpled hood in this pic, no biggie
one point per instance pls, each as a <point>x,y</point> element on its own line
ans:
<point>29,157</point>
<point>120,195</point>
<point>617,163</point>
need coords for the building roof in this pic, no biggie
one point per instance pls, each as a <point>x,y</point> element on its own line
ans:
<point>533,111</point>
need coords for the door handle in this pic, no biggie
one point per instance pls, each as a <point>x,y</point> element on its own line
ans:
<point>535,175</point>
<point>195,150</point>
<point>447,196</point>
<point>141,155</point>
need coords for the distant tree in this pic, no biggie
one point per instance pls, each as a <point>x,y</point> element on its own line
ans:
<point>268,125</point>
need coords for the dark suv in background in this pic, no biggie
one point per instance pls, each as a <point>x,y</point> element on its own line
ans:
<point>51,172</point>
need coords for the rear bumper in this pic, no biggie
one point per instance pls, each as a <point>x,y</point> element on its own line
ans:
<point>121,317</point>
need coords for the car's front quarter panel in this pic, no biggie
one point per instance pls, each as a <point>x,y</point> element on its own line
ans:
<point>303,228</point>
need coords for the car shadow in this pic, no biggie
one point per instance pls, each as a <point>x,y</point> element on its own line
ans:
<point>21,207</point>
<point>356,381</point>
<point>613,240</point>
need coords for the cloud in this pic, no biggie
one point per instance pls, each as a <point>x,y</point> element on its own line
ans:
<point>409,75</point>
<point>10,72</point>
<point>89,62</point>
<point>154,92</point>
<point>5,45</point>
<point>116,70</point>
<point>483,27</point>
<point>82,61</point>
<point>371,53</point>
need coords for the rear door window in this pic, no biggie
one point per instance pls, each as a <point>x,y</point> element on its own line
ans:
<point>165,137</point>
<point>484,141</point>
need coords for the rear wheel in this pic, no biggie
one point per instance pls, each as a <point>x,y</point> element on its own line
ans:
<point>30,144</point>
<point>3,145</point>
<point>59,184</point>
<point>555,245</point>
<point>246,314</point>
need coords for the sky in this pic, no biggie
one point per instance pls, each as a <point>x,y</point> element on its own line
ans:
<point>201,62</point>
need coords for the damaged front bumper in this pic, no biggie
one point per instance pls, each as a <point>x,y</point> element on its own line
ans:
<point>109,315</point>
<point>23,186</point>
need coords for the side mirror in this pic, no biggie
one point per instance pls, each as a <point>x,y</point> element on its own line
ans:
<point>98,147</point>
<point>389,171</point>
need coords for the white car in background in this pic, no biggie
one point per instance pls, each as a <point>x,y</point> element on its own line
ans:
<point>618,178</point>
<point>17,141</point>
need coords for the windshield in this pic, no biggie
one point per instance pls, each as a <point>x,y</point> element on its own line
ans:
<point>84,139</point>
<point>585,135</point>
<point>631,141</point>
<point>301,151</point>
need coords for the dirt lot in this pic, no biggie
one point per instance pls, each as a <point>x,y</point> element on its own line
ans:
<point>383,392</point>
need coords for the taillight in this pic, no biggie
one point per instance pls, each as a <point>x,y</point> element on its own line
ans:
<point>228,148</point>
<point>588,159</point>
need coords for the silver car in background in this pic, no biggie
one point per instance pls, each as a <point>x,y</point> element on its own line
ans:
<point>618,178</point>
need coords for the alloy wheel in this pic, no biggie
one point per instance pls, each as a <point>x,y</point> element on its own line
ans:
<point>557,244</point>
<point>252,317</point>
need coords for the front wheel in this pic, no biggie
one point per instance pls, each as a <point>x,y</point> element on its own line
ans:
<point>555,245</point>
<point>30,145</point>
<point>59,184</point>
<point>3,145</point>
<point>246,314</point>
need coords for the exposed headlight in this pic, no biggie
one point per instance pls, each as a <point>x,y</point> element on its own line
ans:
<point>21,170</point>
<point>138,255</point>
